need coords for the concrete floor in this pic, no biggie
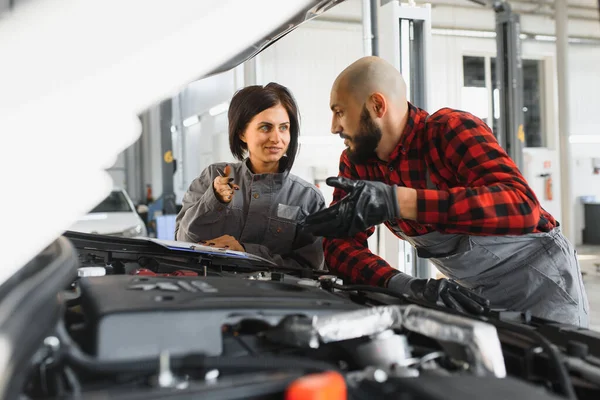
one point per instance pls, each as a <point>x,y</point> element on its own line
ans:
<point>589,257</point>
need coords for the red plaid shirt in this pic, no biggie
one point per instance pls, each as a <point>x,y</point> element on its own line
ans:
<point>480,189</point>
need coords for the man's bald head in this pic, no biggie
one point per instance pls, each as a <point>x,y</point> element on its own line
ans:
<point>370,75</point>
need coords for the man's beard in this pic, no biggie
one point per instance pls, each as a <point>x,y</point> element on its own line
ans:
<point>366,140</point>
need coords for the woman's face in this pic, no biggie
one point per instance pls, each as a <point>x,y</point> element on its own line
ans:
<point>268,138</point>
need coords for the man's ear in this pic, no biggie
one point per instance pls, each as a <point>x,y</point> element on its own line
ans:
<point>378,104</point>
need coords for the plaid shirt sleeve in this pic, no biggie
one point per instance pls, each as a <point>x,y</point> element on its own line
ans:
<point>493,197</point>
<point>351,258</point>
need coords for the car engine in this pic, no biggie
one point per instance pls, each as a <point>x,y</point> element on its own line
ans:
<point>136,316</point>
<point>150,327</point>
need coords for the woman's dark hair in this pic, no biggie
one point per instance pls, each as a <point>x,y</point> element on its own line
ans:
<point>252,100</point>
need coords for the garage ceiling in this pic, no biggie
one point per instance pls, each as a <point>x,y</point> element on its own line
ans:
<point>351,10</point>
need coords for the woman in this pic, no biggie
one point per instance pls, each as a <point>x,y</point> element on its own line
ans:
<point>256,204</point>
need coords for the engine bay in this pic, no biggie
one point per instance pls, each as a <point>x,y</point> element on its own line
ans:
<point>151,327</point>
<point>134,316</point>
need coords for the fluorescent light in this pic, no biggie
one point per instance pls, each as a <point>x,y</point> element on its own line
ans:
<point>219,109</point>
<point>584,139</point>
<point>522,36</point>
<point>463,32</point>
<point>545,38</point>
<point>496,95</point>
<point>193,120</point>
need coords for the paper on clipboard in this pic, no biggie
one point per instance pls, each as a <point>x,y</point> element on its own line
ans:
<point>209,250</point>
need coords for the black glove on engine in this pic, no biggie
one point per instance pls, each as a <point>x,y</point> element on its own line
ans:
<point>367,204</point>
<point>445,291</point>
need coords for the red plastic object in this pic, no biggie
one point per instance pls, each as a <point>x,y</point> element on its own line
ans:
<point>182,272</point>
<point>548,187</point>
<point>323,386</point>
<point>179,272</point>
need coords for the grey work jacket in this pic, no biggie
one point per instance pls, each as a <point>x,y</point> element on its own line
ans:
<point>262,215</point>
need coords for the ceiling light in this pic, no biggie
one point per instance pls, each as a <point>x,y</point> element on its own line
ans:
<point>463,32</point>
<point>545,38</point>
<point>219,109</point>
<point>193,120</point>
<point>584,139</point>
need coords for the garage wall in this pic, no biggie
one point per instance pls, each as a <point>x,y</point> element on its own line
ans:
<point>584,83</point>
<point>585,105</point>
<point>583,59</point>
<point>151,153</point>
<point>204,143</point>
<point>320,50</point>
<point>307,61</point>
<point>462,14</point>
<point>4,4</point>
<point>586,183</point>
<point>117,172</point>
<point>584,75</point>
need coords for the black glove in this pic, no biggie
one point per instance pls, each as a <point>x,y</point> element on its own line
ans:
<point>367,204</point>
<point>446,291</point>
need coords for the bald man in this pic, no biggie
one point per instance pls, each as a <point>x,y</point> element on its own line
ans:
<point>442,183</point>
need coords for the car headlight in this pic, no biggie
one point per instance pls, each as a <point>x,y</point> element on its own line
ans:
<point>133,232</point>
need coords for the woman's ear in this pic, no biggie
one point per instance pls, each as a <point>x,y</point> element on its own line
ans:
<point>243,137</point>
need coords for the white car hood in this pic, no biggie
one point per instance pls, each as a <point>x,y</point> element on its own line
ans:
<point>75,75</point>
<point>106,223</point>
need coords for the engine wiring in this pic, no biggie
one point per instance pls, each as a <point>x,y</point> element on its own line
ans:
<point>564,380</point>
<point>74,362</point>
<point>419,361</point>
<point>72,355</point>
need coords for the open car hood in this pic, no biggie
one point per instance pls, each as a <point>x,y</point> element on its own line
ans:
<point>75,75</point>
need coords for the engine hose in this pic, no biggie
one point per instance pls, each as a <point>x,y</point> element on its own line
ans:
<point>262,363</point>
<point>75,357</point>
<point>367,288</point>
<point>563,375</point>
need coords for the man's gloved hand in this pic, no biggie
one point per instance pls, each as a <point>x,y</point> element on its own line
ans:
<point>367,204</point>
<point>444,291</point>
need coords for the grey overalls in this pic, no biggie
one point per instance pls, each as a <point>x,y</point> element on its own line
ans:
<point>537,272</point>
<point>263,215</point>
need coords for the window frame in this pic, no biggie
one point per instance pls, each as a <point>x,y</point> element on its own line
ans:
<point>548,117</point>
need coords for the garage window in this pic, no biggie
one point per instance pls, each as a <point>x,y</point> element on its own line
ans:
<point>481,96</point>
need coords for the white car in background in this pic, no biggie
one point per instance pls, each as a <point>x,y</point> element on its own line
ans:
<point>114,216</point>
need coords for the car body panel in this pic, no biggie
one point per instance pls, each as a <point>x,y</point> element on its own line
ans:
<point>109,223</point>
<point>115,216</point>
